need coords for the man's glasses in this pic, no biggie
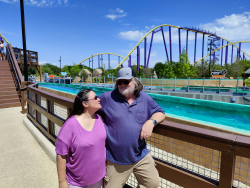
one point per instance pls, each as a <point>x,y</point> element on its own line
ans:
<point>126,82</point>
<point>95,98</point>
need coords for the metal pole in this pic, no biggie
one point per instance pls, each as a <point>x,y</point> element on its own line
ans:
<point>203,84</point>
<point>82,80</point>
<point>232,54</point>
<point>187,45</point>
<point>170,43</point>
<point>145,52</point>
<point>138,58</point>
<point>221,53</point>
<point>226,53</point>
<point>179,32</point>
<point>150,47</point>
<point>151,82</point>
<point>174,83</point>
<point>210,48</point>
<point>92,69</point>
<point>162,84</point>
<point>219,85</point>
<point>112,79</point>
<point>109,61</point>
<point>195,47</point>
<point>164,43</point>
<point>203,54</point>
<point>24,41</point>
<point>237,85</point>
<point>188,83</point>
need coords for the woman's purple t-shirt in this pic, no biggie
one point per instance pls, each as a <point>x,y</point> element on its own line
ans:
<point>85,150</point>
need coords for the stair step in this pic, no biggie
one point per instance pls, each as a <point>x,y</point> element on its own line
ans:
<point>11,96</point>
<point>8,89</point>
<point>4,74</point>
<point>5,71</point>
<point>4,62</point>
<point>8,101</point>
<point>2,93</point>
<point>7,84</point>
<point>6,79</point>
<point>5,65</point>
<point>8,105</point>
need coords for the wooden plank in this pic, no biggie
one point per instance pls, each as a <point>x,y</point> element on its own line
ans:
<point>226,170</point>
<point>42,129</point>
<point>242,146</point>
<point>181,178</point>
<point>51,117</point>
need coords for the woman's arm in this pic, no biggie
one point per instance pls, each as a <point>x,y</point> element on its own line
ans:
<point>61,170</point>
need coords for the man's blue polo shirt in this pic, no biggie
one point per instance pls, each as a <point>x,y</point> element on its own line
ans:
<point>123,125</point>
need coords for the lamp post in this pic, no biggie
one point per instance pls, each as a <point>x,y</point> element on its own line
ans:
<point>60,64</point>
<point>24,41</point>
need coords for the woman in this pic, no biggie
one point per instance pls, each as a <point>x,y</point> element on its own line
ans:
<point>80,146</point>
<point>2,57</point>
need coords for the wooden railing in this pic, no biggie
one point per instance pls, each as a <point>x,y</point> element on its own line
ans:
<point>225,155</point>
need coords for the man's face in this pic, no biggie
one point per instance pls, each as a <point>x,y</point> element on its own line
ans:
<point>126,89</point>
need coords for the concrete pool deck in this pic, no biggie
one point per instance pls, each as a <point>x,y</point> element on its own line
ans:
<point>23,162</point>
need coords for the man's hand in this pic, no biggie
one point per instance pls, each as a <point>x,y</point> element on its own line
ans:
<point>147,129</point>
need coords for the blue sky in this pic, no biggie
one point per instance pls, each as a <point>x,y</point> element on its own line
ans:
<point>77,29</point>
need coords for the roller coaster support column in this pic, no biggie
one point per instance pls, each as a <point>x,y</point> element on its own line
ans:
<point>150,47</point>
<point>129,62</point>
<point>221,53</point>
<point>98,61</point>
<point>226,54</point>
<point>239,50</point>
<point>164,42</point>
<point>232,54</point>
<point>203,54</point>
<point>195,41</point>
<point>187,46</point>
<point>138,58</point>
<point>179,31</point>
<point>170,43</point>
<point>145,53</point>
<point>109,61</point>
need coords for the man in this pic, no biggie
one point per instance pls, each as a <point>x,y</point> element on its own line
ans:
<point>130,115</point>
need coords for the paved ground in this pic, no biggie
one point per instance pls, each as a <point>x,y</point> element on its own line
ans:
<point>23,163</point>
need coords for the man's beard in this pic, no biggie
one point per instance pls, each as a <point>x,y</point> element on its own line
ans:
<point>127,91</point>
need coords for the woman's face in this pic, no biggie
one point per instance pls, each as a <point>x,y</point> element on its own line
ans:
<point>93,100</point>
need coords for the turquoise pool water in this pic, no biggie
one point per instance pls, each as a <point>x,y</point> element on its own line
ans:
<point>234,117</point>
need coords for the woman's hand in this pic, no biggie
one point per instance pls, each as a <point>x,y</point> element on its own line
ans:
<point>63,184</point>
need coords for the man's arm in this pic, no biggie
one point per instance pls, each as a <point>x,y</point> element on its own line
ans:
<point>148,126</point>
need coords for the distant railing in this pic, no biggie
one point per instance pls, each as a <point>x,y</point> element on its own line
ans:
<point>186,156</point>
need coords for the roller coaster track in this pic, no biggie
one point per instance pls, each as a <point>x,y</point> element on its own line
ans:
<point>4,38</point>
<point>209,34</point>
<point>231,43</point>
<point>102,54</point>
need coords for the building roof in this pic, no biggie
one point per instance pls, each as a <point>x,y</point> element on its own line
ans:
<point>84,70</point>
<point>99,71</point>
<point>248,71</point>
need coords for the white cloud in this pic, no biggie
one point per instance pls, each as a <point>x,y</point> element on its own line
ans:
<point>39,3</point>
<point>118,13</point>
<point>42,62</point>
<point>233,27</point>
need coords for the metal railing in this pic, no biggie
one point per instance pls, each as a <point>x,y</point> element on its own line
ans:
<point>186,156</point>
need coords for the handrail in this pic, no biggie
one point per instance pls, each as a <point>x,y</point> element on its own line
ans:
<point>15,67</point>
<point>228,145</point>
